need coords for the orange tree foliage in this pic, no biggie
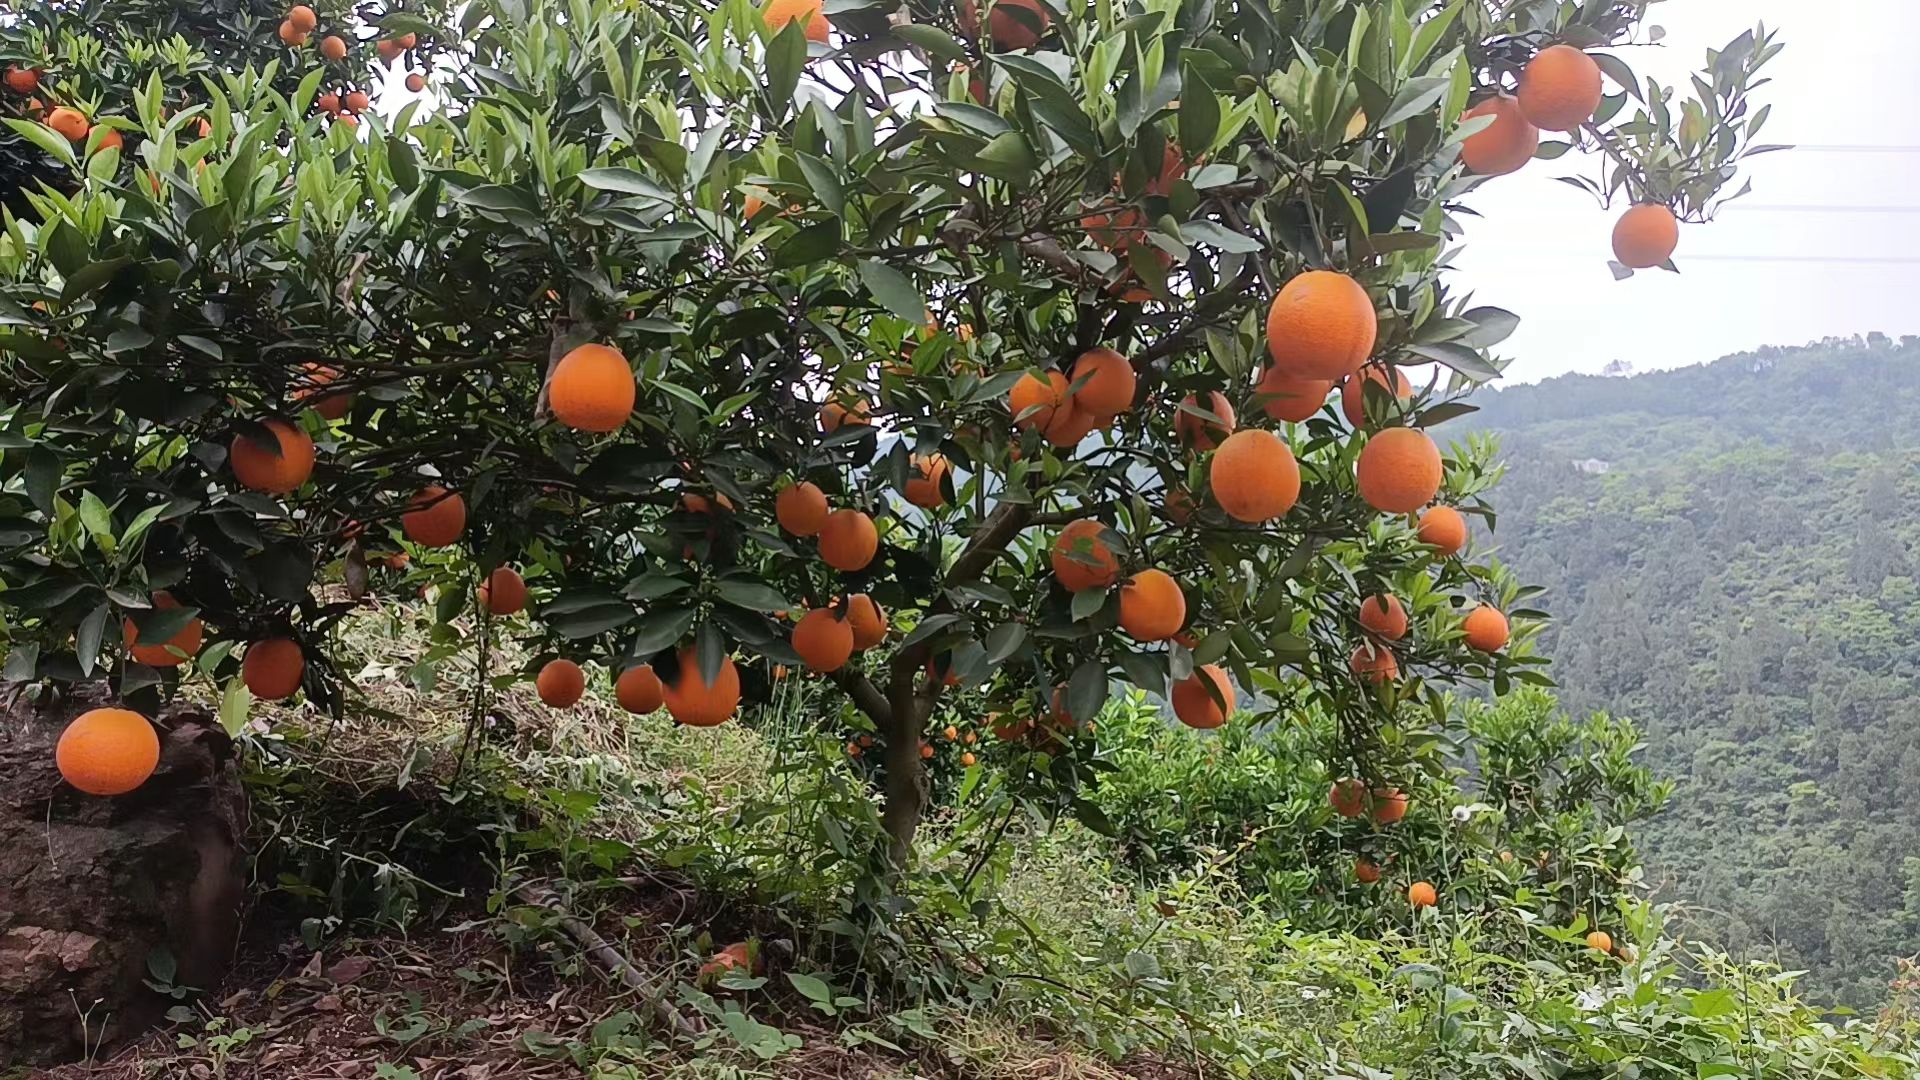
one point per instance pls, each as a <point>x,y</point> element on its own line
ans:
<point>824,262</point>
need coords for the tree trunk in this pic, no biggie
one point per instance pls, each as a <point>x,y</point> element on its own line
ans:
<point>906,787</point>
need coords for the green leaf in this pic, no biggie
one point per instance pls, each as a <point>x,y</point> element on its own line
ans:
<point>1492,326</point>
<point>1008,157</point>
<point>236,701</point>
<point>86,639</point>
<point>753,595</point>
<point>786,57</point>
<point>46,139</point>
<point>1616,69</point>
<point>825,184</point>
<point>1417,96</point>
<point>1460,358</point>
<point>585,622</point>
<point>1199,116</point>
<point>95,516</point>
<point>654,586</point>
<point>815,243</point>
<point>43,472</point>
<point>660,630</point>
<point>932,39</point>
<point>894,290</point>
<point>1086,603</point>
<point>811,987</point>
<point>927,628</point>
<point>626,182</point>
<point>1087,690</point>
<point>1004,640</point>
<point>1216,235</point>
<point>499,197</point>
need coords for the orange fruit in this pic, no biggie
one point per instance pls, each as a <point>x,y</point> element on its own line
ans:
<point>1420,894</point>
<point>561,683</point>
<point>358,102</point>
<point>638,690</point>
<point>1284,397</point>
<point>1485,628</point>
<point>1202,434</point>
<point>1560,88</point>
<point>1080,560</point>
<point>347,119</point>
<point>1108,386</point>
<point>70,123</point>
<point>407,40</point>
<point>1600,941</point>
<point>848,540</point>
<point>940,670</point>
<point>302,18</point>
<point>291,35</point>
<point>328,102</point>
<point>334,47</point>
<point>779,13</point>
<point>700,504</point>
<point>1503,146</point>
<point>696,703</point>
<point>968,760</point>
<point>1384,617</point>
<point>175,650</point>
<point>264,469</point>
<point>868,621</point>
<point>1444,528</point>
<point>1374,664</point>
<point>388,49</point>
<point>416,82</point>
<point>272,668</point>
<point>1070,425</point>
<point>1354,393</point>
<point>823,640</point>
<point>1389,805</point>
<point>1152,607</point>
<point>834,414</point>
<point>1043,396</point>
<point>1399,470</point>
<point>1365,871</point>
<point>110,139</point>
<point>310,390</point>
<point>504,592</point>
<point>926,751</point>
<point>924,485</point>
<point>950,733</point>
<point>1645,236</point>
<point>1008,29</point>
<point>1254,476</point>
<point>107,751</point>
<point>592,389</point>
<point>1321,326</point>
<point>436,518</point>
<point>1194,704</point>
<point>801,508</point>
<point>1348,797</point>
<point>23,80</point>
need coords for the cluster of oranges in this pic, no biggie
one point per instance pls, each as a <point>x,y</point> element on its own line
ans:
<point>345,106</point>
<point>858,746</point>
<point>1559,91</point>
<point>65,120</point>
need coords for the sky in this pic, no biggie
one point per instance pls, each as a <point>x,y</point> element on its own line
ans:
<point>1827,243</point>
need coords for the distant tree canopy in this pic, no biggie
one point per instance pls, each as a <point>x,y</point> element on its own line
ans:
<point>1745,582</point>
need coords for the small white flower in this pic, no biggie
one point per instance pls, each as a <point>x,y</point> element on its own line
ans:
<point>1461,814</point>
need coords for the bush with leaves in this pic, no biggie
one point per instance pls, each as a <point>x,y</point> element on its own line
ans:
<point>650,288</point>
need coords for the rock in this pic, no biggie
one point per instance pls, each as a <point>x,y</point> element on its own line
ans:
<point>350,970</point>
<point>91,888</point>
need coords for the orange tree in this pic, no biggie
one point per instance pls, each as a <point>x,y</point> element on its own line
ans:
<point>998,348</point>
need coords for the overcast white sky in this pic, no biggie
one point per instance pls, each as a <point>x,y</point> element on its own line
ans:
<point>1828,242</point>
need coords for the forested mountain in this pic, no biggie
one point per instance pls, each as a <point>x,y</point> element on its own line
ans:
<point>1733,557</point>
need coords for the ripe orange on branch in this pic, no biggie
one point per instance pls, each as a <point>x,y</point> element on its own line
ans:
<point>1445,528</point>
<point>848,540</point>
<point>311,387</point>
<point>70,123</point>
<point>697,703</point>
<point>172,652</point>
<point>1374,664</point>
<point>1080,560</point>
<point>262,468</point>
<point>1294,400</point>
<point>1348,797</point>
<point>1034,400</point>
<point>1320,326</point>
<point>1194,703</point>
<point>561,683</point>
<point>1355,391</point>
<point>1485,628</point>
<point>504,592</point>
<point>1560,88</point>
<point>1199,432</point>
<point>925,480</point>
<point>1254,476</point>
<point>1399,470</point>
<point>1505,145</point>
<point>1152,607</point>
<point>1106,382</point>
<point>302,18</point>
<point>1389,805</point>
<point>868,621</point>
<point>779,13</point>
<point>1421,894</point>
<point>1645,236</point>
<point>107,751</point>
<point>273,668</point>
<point>592,389</point>
<point>1383,616</point>
<point>836,414</point>
<point>334,48</point>
<point>638,690</point>
<point>823,640</point>
<point>436,518</point>
<point>801,508</point>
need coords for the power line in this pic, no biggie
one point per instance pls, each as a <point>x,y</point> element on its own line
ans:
<point>1824,208</point>
<point>1857,148</point>
<point>1864,260</point>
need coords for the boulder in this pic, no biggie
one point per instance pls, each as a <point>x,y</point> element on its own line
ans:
<point>92,889</point>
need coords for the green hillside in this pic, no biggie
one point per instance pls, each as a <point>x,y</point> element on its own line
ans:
<point>1733,557</point>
